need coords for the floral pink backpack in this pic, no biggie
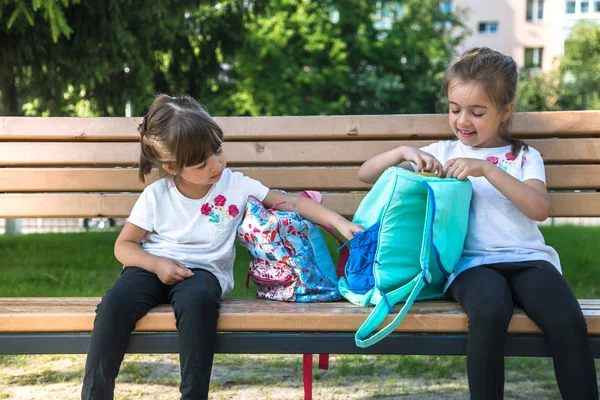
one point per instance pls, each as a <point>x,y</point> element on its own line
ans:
<point>290,259</point>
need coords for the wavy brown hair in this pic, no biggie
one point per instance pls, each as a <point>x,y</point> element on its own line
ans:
<point>499,76</point>
<point>178,131</point>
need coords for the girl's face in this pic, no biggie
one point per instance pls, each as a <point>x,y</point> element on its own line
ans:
<point>473,117</point>
<point>202,175</point>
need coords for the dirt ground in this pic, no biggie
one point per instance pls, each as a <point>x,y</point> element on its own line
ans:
<point>244,377</point>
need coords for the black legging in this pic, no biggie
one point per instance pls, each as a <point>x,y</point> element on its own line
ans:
<point>196,303</point>
<point>488,294</point>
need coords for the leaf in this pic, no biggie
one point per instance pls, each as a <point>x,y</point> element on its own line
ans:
<point>28,16</point>
<point>13,18</point>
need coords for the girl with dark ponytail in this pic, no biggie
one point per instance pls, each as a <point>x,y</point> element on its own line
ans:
<point>505,261</point>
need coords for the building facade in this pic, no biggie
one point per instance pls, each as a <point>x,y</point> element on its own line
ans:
<point>532,32</point>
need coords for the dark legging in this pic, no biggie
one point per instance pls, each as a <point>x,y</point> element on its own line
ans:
<point>195,301</point>
<point>488,294</point>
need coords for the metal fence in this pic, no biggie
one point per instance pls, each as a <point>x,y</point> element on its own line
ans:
<point>61,225</point>
<point>46,225</point>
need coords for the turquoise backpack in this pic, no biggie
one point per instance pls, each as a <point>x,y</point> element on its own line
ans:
<point>415,227</point>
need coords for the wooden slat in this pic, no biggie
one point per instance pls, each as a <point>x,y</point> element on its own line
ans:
<point>425,126</point>
<point>119,205</point>
<point>254,315</point>
<point>126,179</point>
<point>291,178</point>
<point>262,153</point>
<point>572,177</point>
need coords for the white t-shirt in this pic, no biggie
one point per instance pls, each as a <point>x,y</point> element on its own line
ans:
<point>199,233</point>
<point>498,231</point>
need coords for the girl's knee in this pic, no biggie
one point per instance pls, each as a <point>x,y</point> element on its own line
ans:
<point>114,306</point>
<point>197,302</point>
<point>565,325</point>
<point>490,318</point>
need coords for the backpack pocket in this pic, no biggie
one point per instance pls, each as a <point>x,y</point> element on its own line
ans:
<point>275,281</point>
<point>359,268</point>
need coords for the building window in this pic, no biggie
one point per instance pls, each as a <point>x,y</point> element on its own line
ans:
<point>488,27</point>
<point>533,57</point>
<point>535,10</point>
<point>446,6</point>
<point>597,6</point>
<point>570,7</point>
<point>585,6</point>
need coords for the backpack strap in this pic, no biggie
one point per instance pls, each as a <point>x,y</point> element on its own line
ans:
<point>412,289</point>
<point>344,252</point>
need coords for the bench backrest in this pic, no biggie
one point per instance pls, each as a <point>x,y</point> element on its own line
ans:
<point>85,167</point>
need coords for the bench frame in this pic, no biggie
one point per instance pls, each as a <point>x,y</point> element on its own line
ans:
<point>443,344</point>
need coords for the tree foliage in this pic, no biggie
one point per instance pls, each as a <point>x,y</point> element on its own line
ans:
<point>303,57</point>
<point>238,57</point>
<point>538,91</point>
<point>580,68</point>
<point>575,84</point>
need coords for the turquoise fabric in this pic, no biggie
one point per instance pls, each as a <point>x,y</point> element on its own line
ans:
<point>422,227</point>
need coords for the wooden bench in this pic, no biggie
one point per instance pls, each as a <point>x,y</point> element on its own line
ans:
<point>76,167</point>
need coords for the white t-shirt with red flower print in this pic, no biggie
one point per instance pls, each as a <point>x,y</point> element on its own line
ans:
<point>498,231</point>
<point>199,233</point>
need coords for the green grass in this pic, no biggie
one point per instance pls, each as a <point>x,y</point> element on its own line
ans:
<point>82,264</point>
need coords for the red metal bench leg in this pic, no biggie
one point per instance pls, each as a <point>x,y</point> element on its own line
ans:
<point>307,364</point>
<point>324,361</point>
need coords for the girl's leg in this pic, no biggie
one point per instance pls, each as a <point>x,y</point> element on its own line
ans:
<point>486,297</point>
<point>196,303</point>
<point>132,296</point>
<point>548,300</point>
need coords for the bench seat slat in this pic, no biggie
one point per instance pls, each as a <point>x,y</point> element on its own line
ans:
<point>292,178</point>
<point>74,205</point>
<point>18,154</point>
<point>248,314</point>
<point>293,128</point>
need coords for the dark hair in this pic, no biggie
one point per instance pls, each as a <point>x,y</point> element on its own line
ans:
<point>179,131</point>
<point>498,75</point>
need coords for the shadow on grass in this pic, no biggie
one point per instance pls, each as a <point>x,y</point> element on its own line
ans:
<point>46,377</point>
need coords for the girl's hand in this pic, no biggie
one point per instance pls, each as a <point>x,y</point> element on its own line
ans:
<point>348,229</point>
<point>170,271</point>
<point>425,162</point>
<point>460,168</point>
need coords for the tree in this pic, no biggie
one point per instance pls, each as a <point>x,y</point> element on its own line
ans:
<point>306,57</point>
<point>580,68</point>
<point>238,57</point>
<point>401,70</point>
<point>538,91</point>
<point>102,53</point>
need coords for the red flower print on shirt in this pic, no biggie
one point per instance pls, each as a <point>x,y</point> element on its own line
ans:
<point>206,208</point>
<point>233,210</point>
<point>510,156</point>
<point>493,160</point>
<point>220,200</point>
<point>523,160</point>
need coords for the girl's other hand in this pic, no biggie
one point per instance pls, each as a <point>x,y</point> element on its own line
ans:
<point>460,168</point>
<point>425,162</point>
<point>348,229</point>
<point>170,271</point>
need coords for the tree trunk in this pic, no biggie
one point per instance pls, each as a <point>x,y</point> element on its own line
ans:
<point>10,107</point>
